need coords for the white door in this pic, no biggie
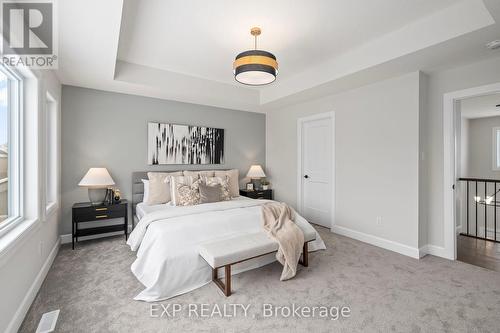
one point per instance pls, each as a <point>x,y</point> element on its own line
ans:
<point>316,170</point>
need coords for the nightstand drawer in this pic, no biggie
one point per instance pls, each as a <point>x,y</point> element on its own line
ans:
<point>90,214</point>
<point>99,209</point>
<point>258,194</point>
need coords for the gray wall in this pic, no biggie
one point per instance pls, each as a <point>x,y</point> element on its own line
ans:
<point>377,148</point>
<point>110,130</point>
<point>480,147</point>
<point>439,83</point>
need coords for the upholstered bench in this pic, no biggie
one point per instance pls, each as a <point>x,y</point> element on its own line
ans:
<point>230,251</point>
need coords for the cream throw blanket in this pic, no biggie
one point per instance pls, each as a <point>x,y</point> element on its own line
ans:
<point>277,219</point>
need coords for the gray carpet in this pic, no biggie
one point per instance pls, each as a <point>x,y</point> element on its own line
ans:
<point>93,287</point>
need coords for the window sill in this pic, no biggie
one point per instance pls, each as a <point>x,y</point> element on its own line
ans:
<point>14,237</point>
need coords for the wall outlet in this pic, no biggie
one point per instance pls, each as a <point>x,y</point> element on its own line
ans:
<point>40,248</point>
<point>379,220</point>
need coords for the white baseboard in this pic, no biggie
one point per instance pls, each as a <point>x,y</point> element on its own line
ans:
<point>65,239</point>
<point>422,251</point>
<point>434,250</point>
<point>378,241</point>
<point>458,229</point>
<point>21,312</point>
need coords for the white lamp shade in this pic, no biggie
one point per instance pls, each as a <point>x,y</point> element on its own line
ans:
<point>256,172</point>
<point>97,177</point>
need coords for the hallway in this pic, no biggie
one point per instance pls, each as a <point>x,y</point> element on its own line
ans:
<point>478,252</point>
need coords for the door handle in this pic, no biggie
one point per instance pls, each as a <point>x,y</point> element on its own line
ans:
<point>306,176</point>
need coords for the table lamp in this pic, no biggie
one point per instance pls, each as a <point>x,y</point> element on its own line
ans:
<point>256,174</point>
<point>97,181</point>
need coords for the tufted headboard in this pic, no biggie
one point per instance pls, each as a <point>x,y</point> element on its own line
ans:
<point>137,189</point>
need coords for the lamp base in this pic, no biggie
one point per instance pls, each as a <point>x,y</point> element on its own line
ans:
<point>97,195</point>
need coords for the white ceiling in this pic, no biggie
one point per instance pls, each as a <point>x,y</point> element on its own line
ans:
<point>480,107</point>
<point>183,50</point>
<point>201,38</point>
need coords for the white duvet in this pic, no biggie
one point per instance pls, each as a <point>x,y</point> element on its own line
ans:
<point>167,241</point>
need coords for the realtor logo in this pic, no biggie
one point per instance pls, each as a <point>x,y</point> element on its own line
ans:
<point>28,34</point>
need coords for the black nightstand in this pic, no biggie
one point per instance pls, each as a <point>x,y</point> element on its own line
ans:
<point>257,194</point>
<point>86,212</point>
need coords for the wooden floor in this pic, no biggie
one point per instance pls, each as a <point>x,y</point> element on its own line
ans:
<point>478,252</point>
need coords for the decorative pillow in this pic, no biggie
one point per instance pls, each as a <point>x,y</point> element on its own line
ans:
<point>180,180</point>
<point>210,193</point>
<point>198,174</point>
<point>159,189</point>
<point>164,175</point>
<point>188,195</point>
<point>223,182</point>
<point>233,175</point>
<point>145,195</point>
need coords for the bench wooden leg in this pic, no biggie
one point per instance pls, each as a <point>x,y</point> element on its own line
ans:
<point>305,256</point>
<point>225,287</point>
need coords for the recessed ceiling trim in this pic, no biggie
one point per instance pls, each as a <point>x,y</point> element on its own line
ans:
<point>459,19</point>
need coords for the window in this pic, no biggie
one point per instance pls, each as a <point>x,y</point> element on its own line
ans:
<point>10,165</point>
<point>4,149</point>
<point>496,149</point>
<point>50,152</point>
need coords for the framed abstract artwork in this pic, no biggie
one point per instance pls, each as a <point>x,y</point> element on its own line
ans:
<point>184,144</point>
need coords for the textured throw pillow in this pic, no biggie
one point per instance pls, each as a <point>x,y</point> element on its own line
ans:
<point>188,195</point>
<point>159,188</point>
<point>233,175</point>
<point>175,181</point>
<point>145,195</point>
<point>210,193</point>
<point>223,182</point>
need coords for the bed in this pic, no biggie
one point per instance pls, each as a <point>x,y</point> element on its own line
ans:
<point>167,241</point>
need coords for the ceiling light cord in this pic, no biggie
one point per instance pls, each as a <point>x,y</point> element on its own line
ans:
<point>255,31</point>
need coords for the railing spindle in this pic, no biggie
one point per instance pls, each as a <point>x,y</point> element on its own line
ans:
<point>485,211</point>
<point>467,207</point>
<point>495,211</point>
<point>476,207</point>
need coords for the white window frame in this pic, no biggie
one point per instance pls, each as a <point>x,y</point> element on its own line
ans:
<point>51,151</point>
<point>495,156</point>
<point>16,152</point>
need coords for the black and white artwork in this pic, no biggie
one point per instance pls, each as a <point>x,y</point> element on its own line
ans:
<point>183,144</point>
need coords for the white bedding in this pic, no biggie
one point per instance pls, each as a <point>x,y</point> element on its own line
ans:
<point>143,209</point>
<point>167,242</point>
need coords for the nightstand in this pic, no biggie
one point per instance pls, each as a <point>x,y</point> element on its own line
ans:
<point>86,212</point>
<point>257,194</point>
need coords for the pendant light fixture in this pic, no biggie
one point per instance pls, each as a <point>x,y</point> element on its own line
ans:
<point>255,67</point>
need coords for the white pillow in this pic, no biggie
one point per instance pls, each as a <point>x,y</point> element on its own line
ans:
<point>159,189</point>
<point>145,196</point>
<point>196,174</point>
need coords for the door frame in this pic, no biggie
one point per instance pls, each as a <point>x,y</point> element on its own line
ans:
<point>450,101</point>
<point>300,121</point>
